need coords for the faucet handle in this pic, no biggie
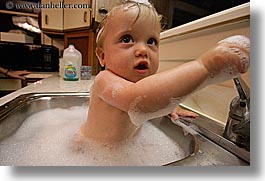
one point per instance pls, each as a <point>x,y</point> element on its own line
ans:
<point>237,128</point>
<point>243,91</point>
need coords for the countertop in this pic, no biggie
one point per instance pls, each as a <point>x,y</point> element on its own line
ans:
<point>33,75</point>
<point>51,83</point>
<point>212,101</point>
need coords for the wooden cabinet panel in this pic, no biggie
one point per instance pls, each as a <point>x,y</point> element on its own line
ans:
<point>84,41</point>
<point>77,17</point>
<point>69,15</point>
<point>52,18</point>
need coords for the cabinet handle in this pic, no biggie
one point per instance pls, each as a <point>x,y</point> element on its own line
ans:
<point>103,11</point>
<point>85,16</point>
<point>46,19</point>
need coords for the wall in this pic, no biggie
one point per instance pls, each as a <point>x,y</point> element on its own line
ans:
<point>189,41</point>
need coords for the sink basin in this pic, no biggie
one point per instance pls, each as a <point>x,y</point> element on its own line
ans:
<point>14,113</point>
<point>197,148</point>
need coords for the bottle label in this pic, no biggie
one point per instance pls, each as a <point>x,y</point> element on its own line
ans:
<point>70,72</point>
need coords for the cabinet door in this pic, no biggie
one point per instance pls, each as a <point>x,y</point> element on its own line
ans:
<point>52,18</point>
<point>103,5</point>
<point>78,15</point>
<point>84,41</point>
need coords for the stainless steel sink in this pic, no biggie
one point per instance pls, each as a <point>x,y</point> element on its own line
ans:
<point>199,150</point>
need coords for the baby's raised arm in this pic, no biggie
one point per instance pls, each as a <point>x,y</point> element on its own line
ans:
<point>228,59</point>
<point>158,94</point>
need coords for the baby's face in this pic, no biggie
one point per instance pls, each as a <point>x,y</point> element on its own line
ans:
<point>131,48</point>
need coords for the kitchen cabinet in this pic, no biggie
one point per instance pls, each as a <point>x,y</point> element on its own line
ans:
<point>52,18</point>
<point>101,7</point>
<point>8,85</point>
<point>84,41</point>
<point>75,15</point>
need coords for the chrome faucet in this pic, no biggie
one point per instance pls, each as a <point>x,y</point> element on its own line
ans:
<point>237,128</point>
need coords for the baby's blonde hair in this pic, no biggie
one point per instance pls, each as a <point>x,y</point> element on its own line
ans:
<point>145,8</point>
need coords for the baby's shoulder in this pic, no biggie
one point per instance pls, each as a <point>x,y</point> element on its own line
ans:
<point>105,79</point>
<point>108,77</point>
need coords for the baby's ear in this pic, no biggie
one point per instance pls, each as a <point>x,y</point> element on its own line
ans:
<point>101,57</point>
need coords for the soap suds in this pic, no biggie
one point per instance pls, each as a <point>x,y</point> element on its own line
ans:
<point>138,117</point>
<point>52,137</point>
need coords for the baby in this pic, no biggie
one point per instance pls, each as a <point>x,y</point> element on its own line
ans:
<point>129,91</point>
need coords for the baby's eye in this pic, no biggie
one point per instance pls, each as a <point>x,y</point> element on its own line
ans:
<point>127,39</point>
<point>151,41</point>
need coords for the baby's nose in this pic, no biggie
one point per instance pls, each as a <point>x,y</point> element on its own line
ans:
<point>141,50</point>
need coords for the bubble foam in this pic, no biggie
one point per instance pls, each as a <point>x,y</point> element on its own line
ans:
<point>51,138</point>
<point>238,40</point>
<point>138,117</point>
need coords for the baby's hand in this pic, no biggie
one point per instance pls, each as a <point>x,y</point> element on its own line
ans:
<point>178,113</point>
<point>230,57</point>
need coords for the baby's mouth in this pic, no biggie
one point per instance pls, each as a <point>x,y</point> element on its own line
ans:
<point>141,67</point>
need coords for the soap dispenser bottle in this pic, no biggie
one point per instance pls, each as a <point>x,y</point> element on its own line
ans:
<point>72,63</point>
